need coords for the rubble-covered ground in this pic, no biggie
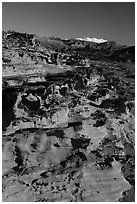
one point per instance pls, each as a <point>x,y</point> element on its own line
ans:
<point>68,129</point>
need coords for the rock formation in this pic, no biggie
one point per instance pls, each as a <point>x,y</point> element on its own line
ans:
<point>68,122</point>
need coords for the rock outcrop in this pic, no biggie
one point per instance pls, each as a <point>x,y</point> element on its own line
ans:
<point>68,129</point>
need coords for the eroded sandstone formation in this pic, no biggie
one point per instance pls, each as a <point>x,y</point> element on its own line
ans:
<point>68,133</point>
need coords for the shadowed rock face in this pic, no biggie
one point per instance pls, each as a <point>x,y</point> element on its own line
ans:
<point>8,101</point>
<point>68,134</point>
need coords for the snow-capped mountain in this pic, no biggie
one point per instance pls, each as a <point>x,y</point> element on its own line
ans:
<point>96,40</point>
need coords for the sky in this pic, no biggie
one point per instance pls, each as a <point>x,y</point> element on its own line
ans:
<point>107,20</point>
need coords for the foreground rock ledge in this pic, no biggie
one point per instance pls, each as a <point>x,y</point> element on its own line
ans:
<point>68,135</point>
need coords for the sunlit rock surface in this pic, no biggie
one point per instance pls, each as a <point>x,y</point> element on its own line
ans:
<point>103,185</point>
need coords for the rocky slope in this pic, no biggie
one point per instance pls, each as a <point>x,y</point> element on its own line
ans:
<point>68,123</point>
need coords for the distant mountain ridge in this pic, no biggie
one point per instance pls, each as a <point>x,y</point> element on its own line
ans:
<point>95,40</point>
<point>100,49</point>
